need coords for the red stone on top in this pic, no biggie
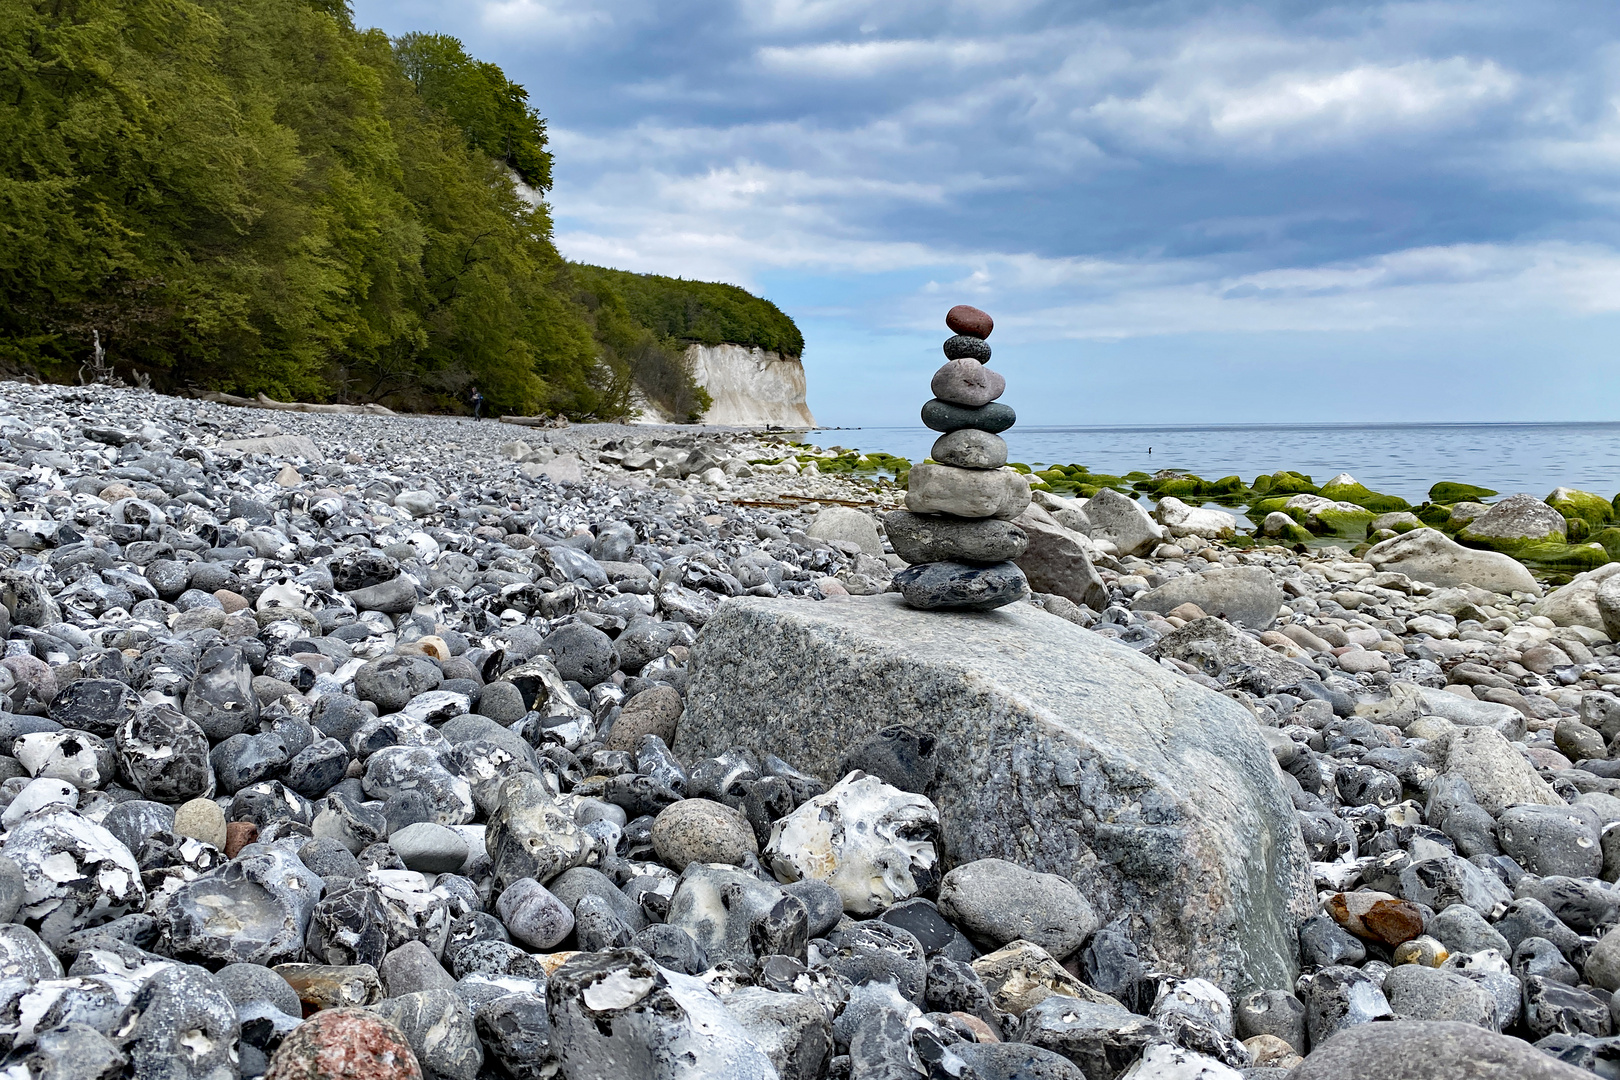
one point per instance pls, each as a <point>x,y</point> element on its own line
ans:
<point>964,319</point>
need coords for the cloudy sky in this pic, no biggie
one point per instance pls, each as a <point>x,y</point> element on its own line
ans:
<point>1178,212</point>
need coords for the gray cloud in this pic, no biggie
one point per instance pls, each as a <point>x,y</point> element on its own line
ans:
<point>1089,171</point>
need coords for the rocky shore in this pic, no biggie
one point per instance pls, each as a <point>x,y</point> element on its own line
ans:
<point>384,747</point>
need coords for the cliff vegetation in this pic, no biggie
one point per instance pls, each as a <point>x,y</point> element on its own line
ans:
<point>258,196</point>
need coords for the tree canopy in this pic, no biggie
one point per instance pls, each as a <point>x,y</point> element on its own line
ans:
<point>257,196</point>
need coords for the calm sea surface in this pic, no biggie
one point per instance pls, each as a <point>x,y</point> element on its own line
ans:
<point>1397,459</point>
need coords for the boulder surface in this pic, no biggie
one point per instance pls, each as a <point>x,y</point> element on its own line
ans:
<point>1059,751</point>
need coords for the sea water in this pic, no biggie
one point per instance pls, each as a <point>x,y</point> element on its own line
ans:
<point>1396,459</point>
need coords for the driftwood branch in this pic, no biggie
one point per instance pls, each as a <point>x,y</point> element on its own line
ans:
<point>262,402</point>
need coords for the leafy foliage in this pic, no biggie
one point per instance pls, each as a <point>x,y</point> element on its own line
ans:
<point>256,196</point>
<point>698,311</point>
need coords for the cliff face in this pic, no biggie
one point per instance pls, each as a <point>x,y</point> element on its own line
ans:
<point>750,385</point>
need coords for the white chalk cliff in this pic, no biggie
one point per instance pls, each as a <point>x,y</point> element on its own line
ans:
<point>750,386</point>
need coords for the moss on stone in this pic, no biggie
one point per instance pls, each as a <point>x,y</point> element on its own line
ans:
<point>1447,492</point>
<point>1364,496</point>
<point>1609,539</point>
<point>1434,515</point>
<point>1595,510</point>
<point>1344,523</point>
<point>1288,482</point>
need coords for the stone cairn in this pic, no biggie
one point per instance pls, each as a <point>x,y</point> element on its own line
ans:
<point>957,530</point>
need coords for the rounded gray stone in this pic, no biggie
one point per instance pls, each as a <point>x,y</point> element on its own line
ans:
<point>429,847</point>
<point>995,417</point>
<point>968,383</point>
<point>951,586</point>
<point>923,538</point>
<point>970,448</point>
<point>999,902</point>
<point>1430,1050</point>
<point>698,830</point>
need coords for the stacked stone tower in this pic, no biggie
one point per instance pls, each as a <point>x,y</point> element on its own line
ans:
<point>957,530</point>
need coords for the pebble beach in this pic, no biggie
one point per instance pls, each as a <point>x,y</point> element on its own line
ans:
<point>409,741</point>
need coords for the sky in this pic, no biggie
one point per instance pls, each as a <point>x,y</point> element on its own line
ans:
<point>1176,212</point>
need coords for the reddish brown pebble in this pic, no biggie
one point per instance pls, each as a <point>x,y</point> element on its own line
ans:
<point>979,1028</point>
<point>344,1044</point>
<point>1376,916</point>
<point>964,319</point>
<point>238,835</point>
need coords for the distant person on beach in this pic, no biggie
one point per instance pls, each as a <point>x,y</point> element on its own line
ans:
<point>478,403</point>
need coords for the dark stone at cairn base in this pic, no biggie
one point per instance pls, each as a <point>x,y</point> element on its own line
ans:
<point>943,416</point>
<point>953,586</point>
<point>925,538</point>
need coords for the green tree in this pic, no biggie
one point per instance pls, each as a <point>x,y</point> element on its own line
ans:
<point>489,108</point>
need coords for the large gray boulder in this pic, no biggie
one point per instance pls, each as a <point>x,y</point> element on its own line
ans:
<point>1058,560</point>
<point>1059,750</point>
<point>1123,522</point>
<point>1430,1050</point>
<point>1432,556</point>
<point>1242,594</point>
<point>1576,604</point>
<point>1517,517</point>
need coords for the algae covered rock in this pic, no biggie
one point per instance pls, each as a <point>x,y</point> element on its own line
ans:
<point>1346,488</point>
<point>1515,521</point>
<point>1574,505</point>
<point>1447,492</point>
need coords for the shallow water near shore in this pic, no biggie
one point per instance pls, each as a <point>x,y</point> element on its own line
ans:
<point>1396,459</point>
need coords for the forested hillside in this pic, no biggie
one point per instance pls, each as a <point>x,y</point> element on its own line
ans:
<point>255,195</point>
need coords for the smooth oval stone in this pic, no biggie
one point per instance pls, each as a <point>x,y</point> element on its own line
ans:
<point>943,416</point>
<point>967,319</point>
<point>970,448</point>
<point>951,586</point>
<point>967,382</point>
<point>967,493</point>
<point>966,346</point>
<point>922,538</point>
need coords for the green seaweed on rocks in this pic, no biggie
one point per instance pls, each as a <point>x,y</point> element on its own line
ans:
<point>1346,488</point>
<point>1609,540</point>
<point>1284,482</point>
<point>1595,510</point>
<point>1434,515</point>
<point>1448,492</point>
